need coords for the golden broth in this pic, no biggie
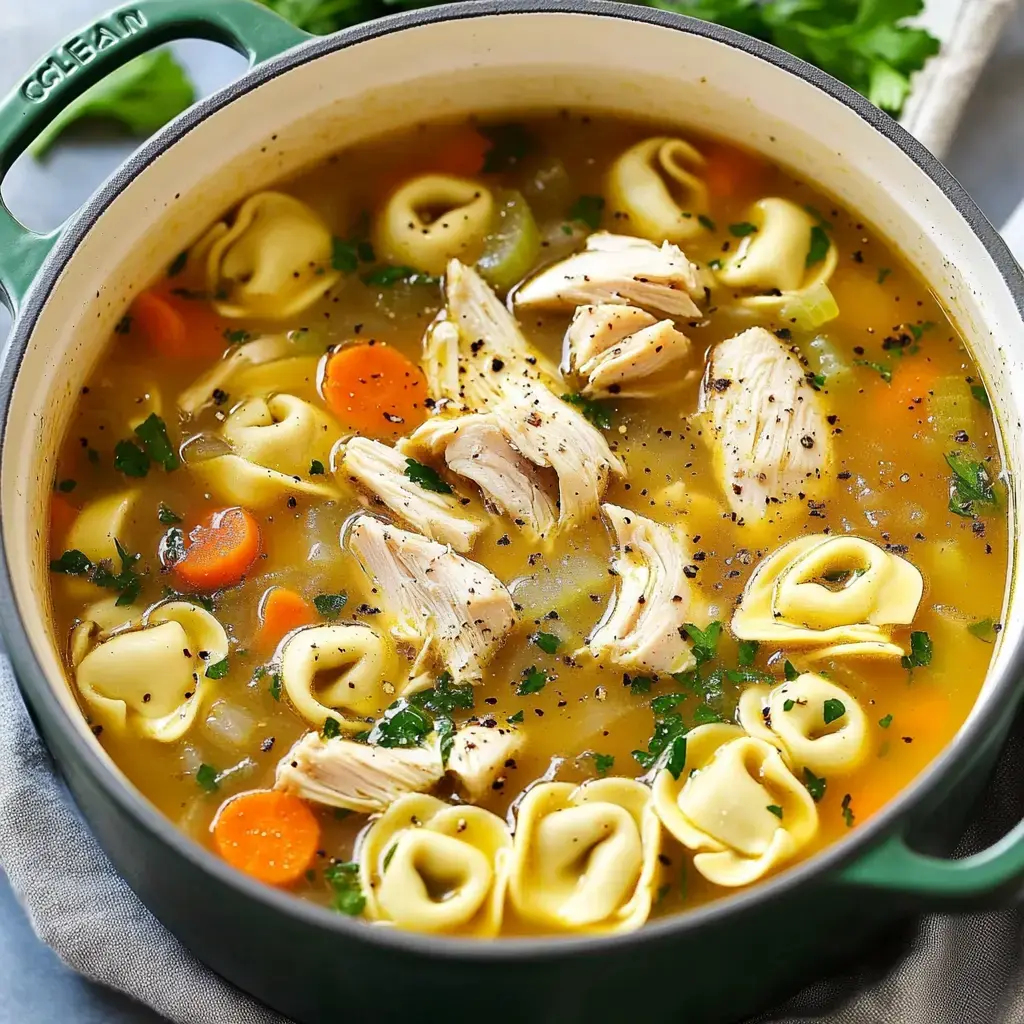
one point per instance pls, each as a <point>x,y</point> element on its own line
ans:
<point>893,488</point>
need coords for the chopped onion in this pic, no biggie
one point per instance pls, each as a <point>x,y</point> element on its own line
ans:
<point>229,725</point>
<point>203,447</point>
<point>808,310</point>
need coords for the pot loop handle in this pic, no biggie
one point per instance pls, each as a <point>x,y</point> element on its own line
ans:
<point>85,58</point>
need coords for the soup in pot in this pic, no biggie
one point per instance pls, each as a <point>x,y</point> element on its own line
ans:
<point>529,528</point>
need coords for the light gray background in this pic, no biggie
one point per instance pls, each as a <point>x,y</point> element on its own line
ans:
<point>987,156</point>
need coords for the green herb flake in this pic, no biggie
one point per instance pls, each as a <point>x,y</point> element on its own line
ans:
<point>676,760</point>
<point>819,246</point>
<point>331,729</point>
<point>343,878</point>
<point>979,392</point>
<point>587,210</point>
<point>403,725</point>
<point>71,563</point>
<point>130,459</point>
<point>639,684</point>
<point>178,264</point>
<point>883,273</point>
<point>788,704</point>
<point>330,605</point>
<point>127,582</point>
<point>848,815</point>
<point>705,641</point>
<point>920,650</point>
<point>547,642</point>
<point>918,329</point>
<point>388,277</point>
<point>815,785</point>
<point>789,669</point>
<point>775,809</point>
<point>445,729</point>
<point>594,411</point>
<point>971,486</point>
<point>705,715</point>
<point>742,229</point>
<point>275,685</point>
<point>344,255</point>
<point>603,763</point>
<point>833,710</point>
<point>883,371</point>
<point>444,697</point>
<point>236,336</point>
<point>706,222</point>
<point>534,680</point>
<point>167,516</point>
<point>984,629</point>
<point>747,652</point>
<point>152,432</point>
<point>316,468</point>
<point>427,477</point>
<point>206,777</point>
<point>218,670</point>
<point>386,863</point>
<point>885,722</point>
<point>715,264</point>
<point>67,486</point>
<point>516,719</point>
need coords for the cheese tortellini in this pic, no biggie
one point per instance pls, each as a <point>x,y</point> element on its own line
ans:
<point>273,442</point>
<point>338,672</point>
<point>272,262</point>
<point>586,857</point>
<point>656,185</point>
<point>780,259</point>
<point>836,596</point>
<point>99,524</point>
<point>151,680</point>
<point>736,804</point>
<point>816,724</point>
<point>428,866</point>
<point>432,219</point>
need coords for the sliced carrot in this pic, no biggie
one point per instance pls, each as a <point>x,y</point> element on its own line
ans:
<point>175,327</point>
<point>376,390</point>
<point>912,382</point>
<point>282,610</point>
<point>62,515</point>
<point>222,550</point>
<point>730,171</point>
<point>269,835</point>
<point>463,152</point>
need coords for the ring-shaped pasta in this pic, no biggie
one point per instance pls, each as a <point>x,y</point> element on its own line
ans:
<point>654,185</point>
<point>427,866</point>
<point>271,263</point>
<point>837,595</point>
<point>586,857</point>
<point>338,671</point>
<point>736,804</point>
<point>431,219</point>
<point>772,261</point>
<point>151,680</point>
<point>816,724</point>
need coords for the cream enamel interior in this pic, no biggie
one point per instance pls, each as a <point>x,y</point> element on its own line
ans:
<point>455,68</point>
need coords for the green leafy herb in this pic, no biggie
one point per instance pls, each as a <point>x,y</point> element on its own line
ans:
<point>817,380</point>
<point>388,277</point>
<point>885,722</point>
<point>142,96</point>
<point>819,247</point>
<point>130,459</point>
<point>516,718</point>
<point>848,815</point>
<point>444,698</point>
<point>788,704</point>
<point>331,729</point>
<point>971,486</point>
<point>206,777</point>
<point>236,336</point>
<point>640,684</point>
<point>547,642</point>
<point>71,563</point>
<point>883,273</point>
<point>316,468</point>
<point>705,641</point>
<point>587,210</point>
<point>445,729</point>
<point>983,629</point>
<point>330,605</point>
<point>178,264</point>
<point>509,144</point>
<point>747,652</point>
<point>715,264</point>
<point>815,786</point>
<point>979,392</point>
<point>883,371</point>
<point>275,685</point>
<point>920,650</point>
<point>427,477</point>
<point>344,255</point>
<point>403,725</point>
<point>918,329</point>
<point>603,763</point>
<point>127,582</point>
<point>833,710</point>
<point>534,680</point>
<point>775,809</point>
<point>134,460</point>
<point>676,760</point>
<point>167,516</point>
<point>67,486</point>
<point>742,229</point>
<point>218,670</point>
<point>706,222</point>
<point>596,412</point>
<point>705,715</point>
<point>668,739</point>
<point>790,672</point>
<point>388,856</point>
<point>343,878</point>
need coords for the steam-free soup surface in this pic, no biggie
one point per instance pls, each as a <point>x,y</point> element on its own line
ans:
<point>905,457</point>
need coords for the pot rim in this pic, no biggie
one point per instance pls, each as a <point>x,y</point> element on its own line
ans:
<point>40,694</point>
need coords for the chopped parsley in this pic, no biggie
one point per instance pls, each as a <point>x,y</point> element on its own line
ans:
<point>330,605</point>
<point>403,725</point>
<point>275,685</point>
<point>747,652</point>
<point>775,809</point>
<point>445,729</point>
<point>130,459</point>
<point>429,479</point>
<point>388,277</point>
<point>790,671</point>
<point>788,704</point>
<point>316,468</point>
<point>178,264</point>
<point>67,486</point>
<point>668,739</point>
<point>331,729</point>
<point>348,253</point>
<point>848,815</point>
<point>703,714</point>
<point>883,273</point>
<point>742,229</point>
<point>206,777</point>
<point>918,329</point>
<point>715,264</point>
<point>920,650</point>
<point>819,247</point>
<point>639,684</point>
<point>983,629</point>
<point>705,641</point>
<point>134,460</point>
<point>71,563</point>
<point>979,392</point>
<point>971,486</point>
<point>218,670</point>
<point>127,581</point>
<point>595,412</point>
<point>343,878</point>
<point>547,642</point>
<point>587,210</point>
<point>833,710</point>
<point>815,785</point>
<point>444,698</point>
<point>534,680</point>
<point>885,372</point>
<point>516,718</point>
<point>167,516</point>
<point>603,763</point>
<point>236,336</point>
<point>885,722</point>
<point>706,222</point>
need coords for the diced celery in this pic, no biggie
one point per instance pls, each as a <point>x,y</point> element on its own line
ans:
<point>513,243</point>
<point>808,310</point>
<point>951,407</point>
<point>826,359</point>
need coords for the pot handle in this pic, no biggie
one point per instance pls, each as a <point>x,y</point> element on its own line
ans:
<point>982,879</point>
<point>87,57</point>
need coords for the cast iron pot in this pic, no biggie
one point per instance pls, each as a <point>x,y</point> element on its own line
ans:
<point>302,99</point>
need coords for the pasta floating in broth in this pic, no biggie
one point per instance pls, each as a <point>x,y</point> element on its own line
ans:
<point>542,545</point>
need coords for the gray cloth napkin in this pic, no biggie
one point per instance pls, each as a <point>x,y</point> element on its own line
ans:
<point>943,970</point>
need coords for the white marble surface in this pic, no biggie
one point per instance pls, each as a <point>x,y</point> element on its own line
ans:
<point>987,156</point>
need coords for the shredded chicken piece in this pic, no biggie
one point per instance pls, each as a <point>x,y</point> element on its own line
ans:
<point>475,448</point>
<point>380,469</point>
<point>625,352</point>
<point>618,268</point>
<point>355,776</point>
<point>453,610</point>
<point>643,628</point>
<point>479,757</point>
<point>772,442</point>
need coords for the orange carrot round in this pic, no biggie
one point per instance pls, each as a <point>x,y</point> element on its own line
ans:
<point>730,171</point>
<point>463,152</point>
<point>281,610</point>
<point>62,515</point>
<point>269,835</point>
<point>223,548</point>
<point>177,328</point>
<point>912,382</point>
<point>374,389</point>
